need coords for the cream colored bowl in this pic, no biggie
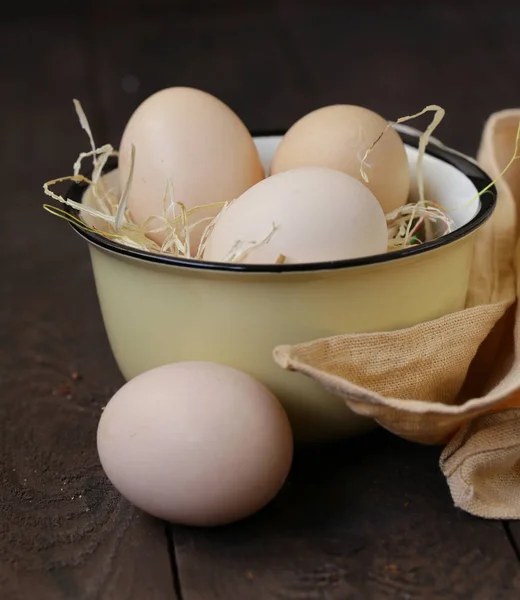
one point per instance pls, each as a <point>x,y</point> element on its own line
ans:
<point>159,310</point>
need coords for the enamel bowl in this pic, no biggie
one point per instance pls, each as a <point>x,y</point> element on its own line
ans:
<point>158,309</point>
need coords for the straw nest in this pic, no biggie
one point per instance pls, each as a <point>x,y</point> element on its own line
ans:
<point>108,216</point>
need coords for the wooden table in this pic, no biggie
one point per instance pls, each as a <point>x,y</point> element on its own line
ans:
<point>370,518</point>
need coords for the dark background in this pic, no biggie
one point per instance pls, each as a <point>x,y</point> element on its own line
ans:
<point>273,61</point>
<point>368,519</point>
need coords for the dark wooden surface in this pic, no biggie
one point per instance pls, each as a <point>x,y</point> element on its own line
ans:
<point>64,532</point>
<point>367,519</point>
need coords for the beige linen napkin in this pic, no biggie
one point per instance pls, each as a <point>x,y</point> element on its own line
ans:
<point>455,380</point>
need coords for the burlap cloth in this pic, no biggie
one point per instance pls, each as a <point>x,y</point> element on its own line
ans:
<point>456,380</point>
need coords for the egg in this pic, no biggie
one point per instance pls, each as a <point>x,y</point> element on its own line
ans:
<point>337,137</point>
<point>307,214</point>
<point>195,443</point>
<point>194,140</point>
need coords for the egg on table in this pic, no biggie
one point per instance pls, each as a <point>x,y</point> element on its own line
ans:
<point>337,137</point>
<point>304,215</point>
<point>194,140</point>
<point>195,443</point>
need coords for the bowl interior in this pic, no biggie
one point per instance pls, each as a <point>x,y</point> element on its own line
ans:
<point>450,178</point>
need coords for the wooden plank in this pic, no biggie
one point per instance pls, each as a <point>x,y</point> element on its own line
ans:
<point>64,531</point>
<point>512,529</point>
<point>371,518</point>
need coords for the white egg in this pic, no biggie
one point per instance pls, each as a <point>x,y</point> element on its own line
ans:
<point>195,443</point>
<point>307,214</point>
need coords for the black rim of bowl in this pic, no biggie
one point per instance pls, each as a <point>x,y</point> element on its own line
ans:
<point>476,175</point>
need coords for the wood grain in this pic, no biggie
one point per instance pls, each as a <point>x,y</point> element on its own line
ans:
<point>64,531</point>
<point>512,529</point>
<point>368,519</point>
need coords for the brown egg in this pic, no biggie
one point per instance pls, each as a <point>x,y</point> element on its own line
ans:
<point>337,137</point>
<point>196,141</point>
<point>195,443</point>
